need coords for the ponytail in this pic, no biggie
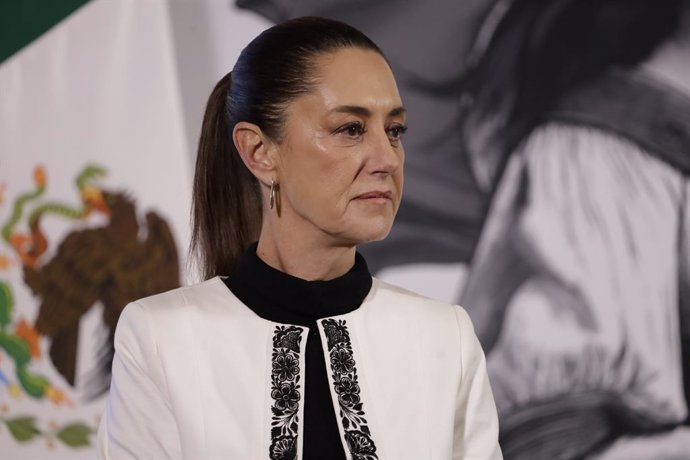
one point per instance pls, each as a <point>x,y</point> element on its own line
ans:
<point>226,203</point>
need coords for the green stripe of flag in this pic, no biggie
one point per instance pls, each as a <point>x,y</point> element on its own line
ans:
<point>22,21</point>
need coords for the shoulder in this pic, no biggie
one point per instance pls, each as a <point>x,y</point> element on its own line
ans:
<point>177,308</point>
<point>417,324</point>
<point>394,300</point>
<point>444,327</point>
<point>210,292</point>
<point>382,291</point>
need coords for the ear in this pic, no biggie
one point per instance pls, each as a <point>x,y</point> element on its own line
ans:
<point>255,149</point>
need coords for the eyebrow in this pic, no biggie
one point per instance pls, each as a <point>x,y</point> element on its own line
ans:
<point>363,111</point>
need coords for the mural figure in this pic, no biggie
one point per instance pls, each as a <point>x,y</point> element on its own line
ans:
<point>579,127</point>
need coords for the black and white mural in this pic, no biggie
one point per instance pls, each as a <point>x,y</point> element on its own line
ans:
<point>549,153</point>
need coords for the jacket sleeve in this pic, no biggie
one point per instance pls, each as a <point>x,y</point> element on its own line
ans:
<point>138,422</point>
<point>476,420</point>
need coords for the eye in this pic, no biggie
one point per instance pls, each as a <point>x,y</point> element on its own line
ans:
<point>353,130</point>
<point>396,132</point>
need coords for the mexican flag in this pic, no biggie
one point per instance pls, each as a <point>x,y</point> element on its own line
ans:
<point>95,186</point>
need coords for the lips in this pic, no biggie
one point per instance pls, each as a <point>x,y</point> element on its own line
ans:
<point>374,194</point>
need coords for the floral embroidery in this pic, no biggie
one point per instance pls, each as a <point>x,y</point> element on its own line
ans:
<point>286,396</point>
<point>360,445</point>
<point>347,390</point>
<point>287,337</point>
<point>336,332</point>
<point>342,362</point>
<point>284,448</point>
<point>285,365</point>
<point>357,434</point>
<point>285,392</point>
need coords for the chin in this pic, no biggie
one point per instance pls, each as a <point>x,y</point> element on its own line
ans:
<point>361,229</point>
<point>370,233</point>
<point>380,235</point>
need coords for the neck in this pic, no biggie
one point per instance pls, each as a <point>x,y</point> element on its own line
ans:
<point>292,253</point>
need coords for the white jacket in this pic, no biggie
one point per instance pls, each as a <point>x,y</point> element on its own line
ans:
<point>198,375</point>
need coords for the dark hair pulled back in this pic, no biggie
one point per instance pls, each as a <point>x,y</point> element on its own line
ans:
<point>276,67</point>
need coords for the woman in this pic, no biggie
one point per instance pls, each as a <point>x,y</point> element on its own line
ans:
<point>298,353</point>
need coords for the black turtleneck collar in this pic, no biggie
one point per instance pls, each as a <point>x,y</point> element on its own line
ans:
<point>283,298</point>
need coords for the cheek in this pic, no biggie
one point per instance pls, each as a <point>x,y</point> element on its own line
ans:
<point>334,191</point>
<point>398,181</point>
<point>320,187</point>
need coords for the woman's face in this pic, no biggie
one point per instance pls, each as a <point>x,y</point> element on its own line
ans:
<point>341,156</point>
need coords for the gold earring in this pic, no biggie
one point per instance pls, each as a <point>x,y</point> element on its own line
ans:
<point>272,194</point>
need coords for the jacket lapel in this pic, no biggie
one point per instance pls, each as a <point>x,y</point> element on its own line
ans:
<point>345,389</point>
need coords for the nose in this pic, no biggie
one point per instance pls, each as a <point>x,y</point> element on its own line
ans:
<point>385,157</point>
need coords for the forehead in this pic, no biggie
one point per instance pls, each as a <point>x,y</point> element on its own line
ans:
<point>353,76</point>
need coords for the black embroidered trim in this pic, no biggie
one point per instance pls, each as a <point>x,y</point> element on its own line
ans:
<point>357,435</point>
<point>285,392</point>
